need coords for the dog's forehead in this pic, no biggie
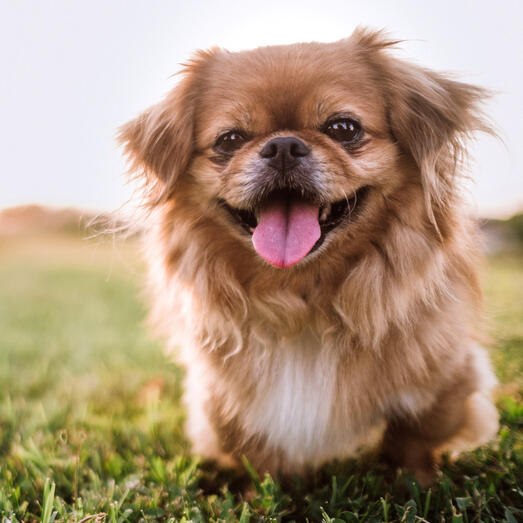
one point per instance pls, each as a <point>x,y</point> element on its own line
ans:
<point>285,87</point>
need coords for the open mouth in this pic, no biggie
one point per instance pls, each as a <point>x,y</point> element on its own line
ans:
<point>286,227</point>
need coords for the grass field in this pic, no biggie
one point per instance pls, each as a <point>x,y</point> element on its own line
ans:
<point>91,422</point>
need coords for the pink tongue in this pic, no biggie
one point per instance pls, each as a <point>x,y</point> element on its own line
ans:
<point>286,232</point>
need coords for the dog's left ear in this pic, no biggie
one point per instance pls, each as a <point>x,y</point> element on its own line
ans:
<point>159,142</point>
<point>429,114</point>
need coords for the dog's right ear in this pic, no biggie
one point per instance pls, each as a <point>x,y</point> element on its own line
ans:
<point>159,142</point>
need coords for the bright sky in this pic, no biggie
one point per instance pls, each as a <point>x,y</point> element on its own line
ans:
<point>73,71</point>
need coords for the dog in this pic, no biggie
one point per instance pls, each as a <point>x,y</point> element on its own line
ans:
<point>310,256</point>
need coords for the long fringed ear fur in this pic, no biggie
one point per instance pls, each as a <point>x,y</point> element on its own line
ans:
<point>159,142</point>
<point>430,115</point>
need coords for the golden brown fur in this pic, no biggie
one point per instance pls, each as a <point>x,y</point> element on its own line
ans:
<point>371,336</point>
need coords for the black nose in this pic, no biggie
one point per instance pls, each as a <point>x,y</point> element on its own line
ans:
<point>284,152</point>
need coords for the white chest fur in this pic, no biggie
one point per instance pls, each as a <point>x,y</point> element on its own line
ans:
<point>293,403</point>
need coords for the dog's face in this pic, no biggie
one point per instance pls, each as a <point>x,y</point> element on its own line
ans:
<point>291,149</point>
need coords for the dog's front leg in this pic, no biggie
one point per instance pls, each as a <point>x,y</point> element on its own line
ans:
<point>461,418</point>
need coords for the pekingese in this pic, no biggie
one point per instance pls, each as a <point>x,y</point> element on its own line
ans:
<point>310,256</point>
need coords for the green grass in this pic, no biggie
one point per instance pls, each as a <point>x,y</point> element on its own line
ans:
<point>91,422</point>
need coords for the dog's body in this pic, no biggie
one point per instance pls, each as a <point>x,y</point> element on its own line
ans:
<point>309,253</point>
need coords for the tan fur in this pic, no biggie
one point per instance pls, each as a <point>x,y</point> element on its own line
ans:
<point>293,367</point>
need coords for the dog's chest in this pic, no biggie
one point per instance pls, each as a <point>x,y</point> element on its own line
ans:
<point>294,401</point>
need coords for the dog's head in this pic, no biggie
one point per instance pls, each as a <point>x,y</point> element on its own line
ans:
<point>290,149</point>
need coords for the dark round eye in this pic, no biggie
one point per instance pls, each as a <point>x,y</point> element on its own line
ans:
<point>230,141</point>
<point>344,130</point>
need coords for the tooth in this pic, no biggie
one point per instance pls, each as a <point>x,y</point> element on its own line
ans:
<point>325,212</point>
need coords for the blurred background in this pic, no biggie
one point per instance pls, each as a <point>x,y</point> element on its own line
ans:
<point>74,71</point>
<point>87,398</point>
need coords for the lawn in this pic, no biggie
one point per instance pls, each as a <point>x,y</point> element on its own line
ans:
<point>91,422</point>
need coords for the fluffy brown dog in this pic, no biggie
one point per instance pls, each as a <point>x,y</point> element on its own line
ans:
<point>309,253</point>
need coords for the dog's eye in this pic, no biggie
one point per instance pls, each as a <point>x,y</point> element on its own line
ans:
<point>344,130</point>
<point>230,141</point>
